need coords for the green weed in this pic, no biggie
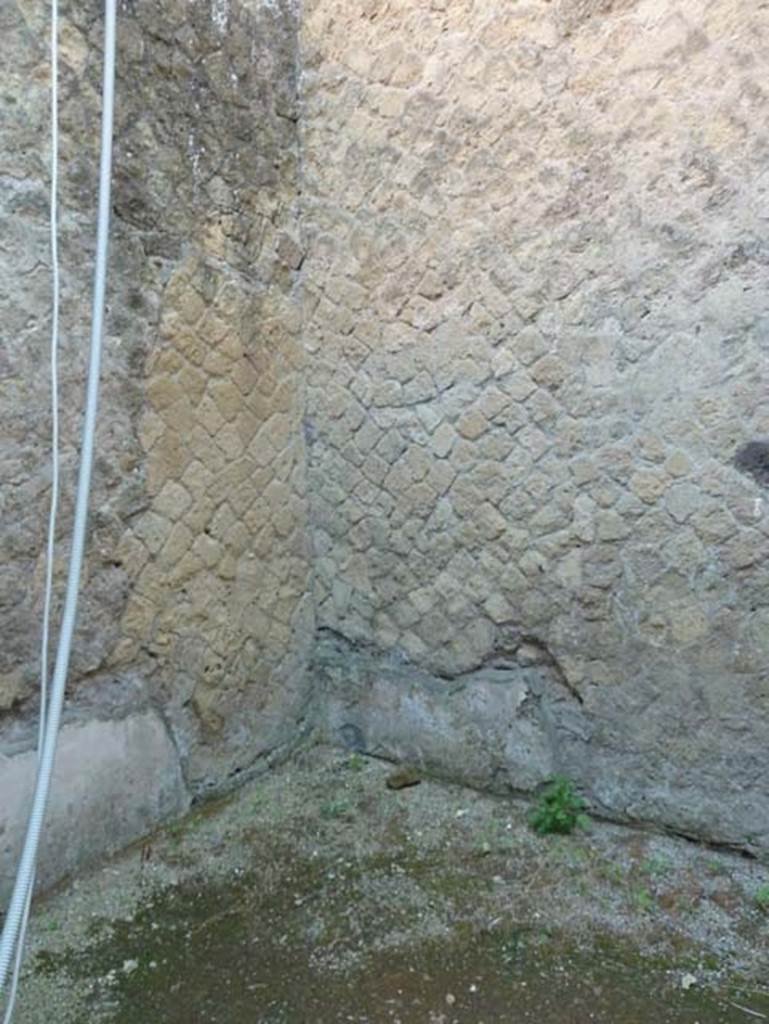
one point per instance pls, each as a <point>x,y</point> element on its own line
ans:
<point>335,809</point>
<point>642,900</point>
<point>656,866</point>
<point>356,762</point>
<point>560,809</point>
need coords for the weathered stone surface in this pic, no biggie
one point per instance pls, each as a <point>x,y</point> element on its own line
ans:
<point>201,397</point>
<point>484,728</point>
<point>515,722</point>
<point>559,227</point>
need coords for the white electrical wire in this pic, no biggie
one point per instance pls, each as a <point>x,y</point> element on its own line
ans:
<point>49,567</point>
<point>19,905</point>
<point>53,511</point>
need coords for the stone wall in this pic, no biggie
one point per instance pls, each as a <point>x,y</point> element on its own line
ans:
<point>489,284</point>
<point>537,318</point>
<point>194,615</point>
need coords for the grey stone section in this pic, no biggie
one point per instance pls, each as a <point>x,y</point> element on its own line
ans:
<point>511,724</point>
<point>115,780</point>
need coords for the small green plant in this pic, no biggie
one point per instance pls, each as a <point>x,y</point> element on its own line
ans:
<point>642,899</point>
<point>356,762</point>
<point>339,808</point>
<point>560,809</point>
<point>656,866</point>
<point>716,867</point>
<point>513,946</point>
<point>762,897</point>
<point>616,873</point>
<point>175,832</point>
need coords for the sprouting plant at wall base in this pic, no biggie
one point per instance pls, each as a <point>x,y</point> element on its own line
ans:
<point>560,809</point>
<point>356,762</point>
<point>656,866</point>
<point>762,897</point>
<point>642,899</point>
<point>339,808</point>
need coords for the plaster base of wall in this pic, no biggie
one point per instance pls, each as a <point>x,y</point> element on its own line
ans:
<point>115,781</point>
<point>509,727</point>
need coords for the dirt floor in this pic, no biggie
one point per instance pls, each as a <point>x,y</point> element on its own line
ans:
<point>318,895</point>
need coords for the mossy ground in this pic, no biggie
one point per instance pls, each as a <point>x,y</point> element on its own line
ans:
<point>318,895</point>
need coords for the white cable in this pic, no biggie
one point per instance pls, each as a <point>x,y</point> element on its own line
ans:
<point>25,873</point>
<point>50,552</point>
<point>49,567</point>
<point>52,517</point>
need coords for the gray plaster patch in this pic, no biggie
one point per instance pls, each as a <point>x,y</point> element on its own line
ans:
<point>115,781</point>
<point>509,728</point>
